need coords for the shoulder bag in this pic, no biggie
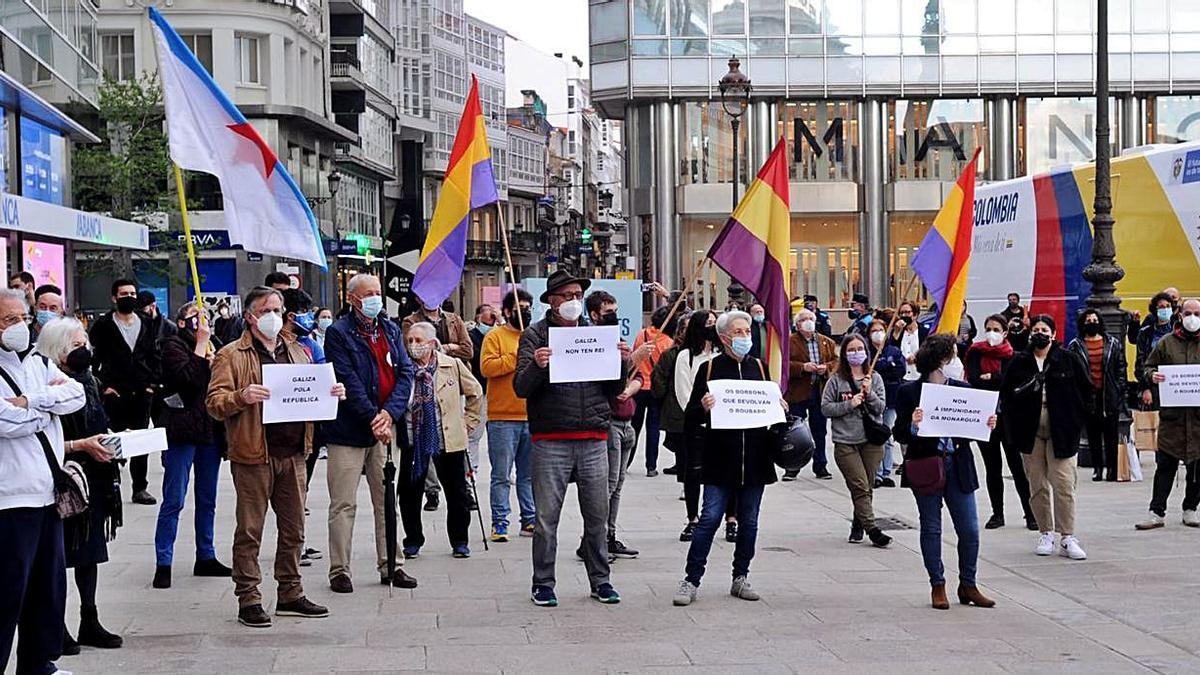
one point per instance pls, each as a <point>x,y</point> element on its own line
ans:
<point>877,433</point>
<point>70,483</point>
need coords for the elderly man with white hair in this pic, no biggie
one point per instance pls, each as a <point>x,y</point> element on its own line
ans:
<point>438,425</point>
<point>367,353</point>
<point>33,393</point>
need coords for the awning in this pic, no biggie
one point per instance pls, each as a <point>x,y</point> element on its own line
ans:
<point>31,216</point>
<point>17,96</point>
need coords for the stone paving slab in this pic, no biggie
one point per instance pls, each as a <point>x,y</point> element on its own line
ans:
<point>828,606</point>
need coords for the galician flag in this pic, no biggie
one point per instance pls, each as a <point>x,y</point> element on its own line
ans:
<point>754,249</point>
<point>265,212</point>
<point>469,184</point>
<point>944,257</point>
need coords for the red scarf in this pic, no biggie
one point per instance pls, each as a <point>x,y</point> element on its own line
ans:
<point>992,359</point>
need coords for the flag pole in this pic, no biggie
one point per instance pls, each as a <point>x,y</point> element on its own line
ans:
<point>512,273</point>
<point>187,236</point>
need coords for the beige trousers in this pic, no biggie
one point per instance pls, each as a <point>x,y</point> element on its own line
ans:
<point>343,468</point>
<point>858,464</point>
<point>1048,474</point>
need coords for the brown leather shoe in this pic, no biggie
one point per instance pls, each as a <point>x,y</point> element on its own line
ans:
<point>938,595</point>
<point>341,584</point>
<point>400,580</point>
<point>970,595</point>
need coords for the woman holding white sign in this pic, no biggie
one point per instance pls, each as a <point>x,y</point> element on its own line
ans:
<point>941,470</point>
<point>854,402</point>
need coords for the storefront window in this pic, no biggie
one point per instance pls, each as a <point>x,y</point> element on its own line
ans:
<point>1176,119</point>
<point>907,232</point>
<point>823,138</point>
<point>934,139</point>
<point>1057,131</point>
<point>706,145</point>
<point>43,162</point>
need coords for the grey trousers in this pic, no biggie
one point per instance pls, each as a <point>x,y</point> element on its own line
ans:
<point>554,463</point>
<point>621,443</point>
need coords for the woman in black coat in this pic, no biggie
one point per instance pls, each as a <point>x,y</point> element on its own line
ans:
<point>958,494</point>
<point>1107,367</point>
<point>86,536</point>
<point>1043,396</point>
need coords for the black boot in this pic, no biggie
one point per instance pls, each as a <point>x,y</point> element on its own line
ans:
<point>162,577</point>
<point>92,634</point>
<point>70,646</point>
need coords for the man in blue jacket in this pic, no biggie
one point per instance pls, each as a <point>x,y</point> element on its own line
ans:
<point>368,356</point>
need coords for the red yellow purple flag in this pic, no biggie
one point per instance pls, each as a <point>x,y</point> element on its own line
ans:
<point>754,250</point>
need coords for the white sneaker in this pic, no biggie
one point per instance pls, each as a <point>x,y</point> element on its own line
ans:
<point>686,594</point>
<point>741,589</point>
<point>1190,518</point>
<point>1070,548</point>
<point>1155,521</point>
<point>1045,544</point>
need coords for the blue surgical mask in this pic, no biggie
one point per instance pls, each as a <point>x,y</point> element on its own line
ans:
<point>45,316</point>
<point>741,346</point>
<point>759,318</point>
<point>372,305</point>
<point>305,321</point>
<point>484,329</point>
<point>1164,314</point>
<point>324,323</point>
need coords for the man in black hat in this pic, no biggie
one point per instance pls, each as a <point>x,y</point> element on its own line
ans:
<point>569,426</point>
<point>860,314</point>
<point>823,325</point>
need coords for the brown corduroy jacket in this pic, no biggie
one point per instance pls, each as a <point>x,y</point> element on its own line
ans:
<point>800,383</point>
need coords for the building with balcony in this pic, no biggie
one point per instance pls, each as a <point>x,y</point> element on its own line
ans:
<point>881,103</point>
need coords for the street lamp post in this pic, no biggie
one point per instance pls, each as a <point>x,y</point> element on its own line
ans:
<point>1103,272</point>
<point>735,97</point>
<point>335,183</point>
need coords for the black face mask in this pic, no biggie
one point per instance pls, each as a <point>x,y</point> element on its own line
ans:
<point>710,334</point>
<point>79,360</point>
<point>1039,340</point>
<point>526,317</point>
<point>608,319</point>
<point>1092,329</point>
<point>854,314</point>
<point>1013,305</point>
<point>126,305</point>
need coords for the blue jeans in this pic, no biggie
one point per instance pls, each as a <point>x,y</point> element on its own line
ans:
<point>889,448</point>
<point>811,411</point>
<point>648,411</point>
<point>178,461</point>
<point>966,525</point>
<point>712,514</point>
<point>509,444</point>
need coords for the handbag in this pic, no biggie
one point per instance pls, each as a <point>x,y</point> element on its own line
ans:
<point>926,475</point>
<point>70,484</point>
<point>877,433</point>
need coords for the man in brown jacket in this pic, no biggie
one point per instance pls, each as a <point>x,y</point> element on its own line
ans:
<point>266,460</point>
<point>813,356</point>
<point>455,341</point>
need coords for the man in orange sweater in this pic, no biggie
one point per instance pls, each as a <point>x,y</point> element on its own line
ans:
<point>509,442</point>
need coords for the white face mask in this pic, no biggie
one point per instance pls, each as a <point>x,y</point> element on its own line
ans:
<point>270,325</point>
<point>994,338</point>
<point>808,325</point>
<point>419,351</point>
<point>571,310</point>
<point>953,370</point>
<point>16,337</point>
<point>1191,323</point>
<point>877,337</point>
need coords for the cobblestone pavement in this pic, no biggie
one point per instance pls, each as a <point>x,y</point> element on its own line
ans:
<point>827,606</point>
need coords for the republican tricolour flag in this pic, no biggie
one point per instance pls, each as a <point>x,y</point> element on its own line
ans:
<point>944,257</point>
<point>469,184</point>
<point>754,250</point>
<point>265,212</point>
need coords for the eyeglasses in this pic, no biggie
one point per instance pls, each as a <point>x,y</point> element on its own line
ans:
<point>578,295</point>
<point>13,319</point>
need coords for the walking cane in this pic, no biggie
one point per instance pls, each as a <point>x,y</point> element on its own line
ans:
<point>475,494</point>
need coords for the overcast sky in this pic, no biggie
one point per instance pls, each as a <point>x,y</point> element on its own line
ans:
<point>549,25</point>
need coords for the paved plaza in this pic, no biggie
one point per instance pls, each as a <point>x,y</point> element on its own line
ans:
<point>827,606</point>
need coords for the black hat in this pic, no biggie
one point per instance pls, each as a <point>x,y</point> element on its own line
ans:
<point>861,299</point>
<point>145,299</point>
<point>810,298</point>
<point>558,280</point>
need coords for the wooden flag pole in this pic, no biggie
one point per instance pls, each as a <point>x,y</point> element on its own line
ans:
<point>187,236</point>
<point>891,324</point>
<point>687,283</point>
<point>512,274</point>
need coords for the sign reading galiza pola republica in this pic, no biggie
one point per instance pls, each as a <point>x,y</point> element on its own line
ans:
<point>745,404</point>
<point>299,393</point>
<point>1182,388</point>
<point>956,412</point>
<point>585,354</point>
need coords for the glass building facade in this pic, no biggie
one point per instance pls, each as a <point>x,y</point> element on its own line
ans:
<point>881,104</point>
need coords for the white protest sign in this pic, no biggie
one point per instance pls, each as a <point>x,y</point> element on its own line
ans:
<point>745,404</point>
<point>957,412</point>
<point>585,354</point>
<point>135,443</point>
<point>1182,388</point>
<point>299,393</point>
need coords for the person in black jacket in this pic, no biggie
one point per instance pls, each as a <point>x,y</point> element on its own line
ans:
<point>958,494</point>
<point>1155,327</point>
<point>891,366</point>
<point>736,461</point>
<point>1043,396</point>
<point>126,363</point>
<point>1105,357</point>
<point>186,363</point>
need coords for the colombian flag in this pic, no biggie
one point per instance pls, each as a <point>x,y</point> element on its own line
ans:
<point>753,249</point>
<point>469,184</point>
<point>944,257</point>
